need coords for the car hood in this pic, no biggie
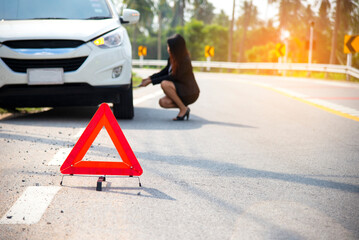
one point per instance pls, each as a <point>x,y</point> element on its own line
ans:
<point>84,30</point>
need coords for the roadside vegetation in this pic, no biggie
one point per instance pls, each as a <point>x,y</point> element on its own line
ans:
<point>244,37</point>
<point>22,110</point>
<point>136,80</point>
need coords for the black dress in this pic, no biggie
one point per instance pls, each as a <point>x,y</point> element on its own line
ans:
<point>186,86</point>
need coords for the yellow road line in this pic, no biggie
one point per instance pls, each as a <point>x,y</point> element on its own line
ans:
<point>330,110</point>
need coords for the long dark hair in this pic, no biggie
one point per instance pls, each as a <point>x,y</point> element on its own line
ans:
<point>178,51</point>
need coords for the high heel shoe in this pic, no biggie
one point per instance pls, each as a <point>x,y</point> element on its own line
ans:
<point>181,118</point>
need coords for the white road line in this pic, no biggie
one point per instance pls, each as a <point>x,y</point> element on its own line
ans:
<point>325,105</point>
<point>60,157</point>
<point>351,113</point>
<point>30,206</point>
<point>330,83</point>
<point>79,133</point>
<point>291,93</point>
<point>334,106</point>
<point>146,97</point>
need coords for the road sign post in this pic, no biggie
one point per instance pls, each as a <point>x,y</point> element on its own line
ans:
<point>142,51</point>
<point>141,61</point>
<point>351,45</point>
<point>286,52</point>
<point>285,34</point>
<point>311,42</point>
<point>310,45</point>
<point>349,64</point>
<point>208,63</point>
<point>280,52</point>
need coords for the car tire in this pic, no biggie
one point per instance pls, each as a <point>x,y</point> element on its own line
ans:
<point>124,109</point>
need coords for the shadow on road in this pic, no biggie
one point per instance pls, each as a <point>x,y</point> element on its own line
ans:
<point>55,117</point>
<point>145,119</point>
<point>129,191</point>
<point>226,169</point>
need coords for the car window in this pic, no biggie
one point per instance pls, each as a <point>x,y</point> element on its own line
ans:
<point>53,9</point>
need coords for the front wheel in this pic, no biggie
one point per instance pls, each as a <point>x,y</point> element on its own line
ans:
<point>124,109</point>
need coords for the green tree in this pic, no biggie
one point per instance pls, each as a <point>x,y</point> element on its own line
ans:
<point>179,10</point>
<point>221,19</point>
<point>211,33</point>
<point>344,21</point>
<point>262,35</point>
<point>322,31</point>
<point>299,42</point>
<point>150,41</point>
<point>164,14</point>
<point>248,18</point>
<point>230,35</point>
<point>193,32</point>
<point>203,11</point>
<point>355,31</point>
<point>145,9</point>
<point>290,12</point>
<point>263,53</point>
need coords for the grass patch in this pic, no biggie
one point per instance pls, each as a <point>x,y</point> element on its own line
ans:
<point>136,80</point>
<point>2,111</point>
<point>22,110</point>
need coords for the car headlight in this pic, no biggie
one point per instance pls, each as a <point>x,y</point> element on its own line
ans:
<point>109,40</point>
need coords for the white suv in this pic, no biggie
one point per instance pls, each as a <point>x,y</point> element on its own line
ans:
<point>65,53</point>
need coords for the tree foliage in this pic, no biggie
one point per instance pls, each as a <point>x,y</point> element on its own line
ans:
<point>254,40</point>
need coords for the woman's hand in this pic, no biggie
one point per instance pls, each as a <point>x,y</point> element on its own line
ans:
<point>145,82</point>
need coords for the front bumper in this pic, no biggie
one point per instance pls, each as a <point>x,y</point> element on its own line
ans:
<point>95,70</point>
<point>56,96</point>
<point>91,83</point>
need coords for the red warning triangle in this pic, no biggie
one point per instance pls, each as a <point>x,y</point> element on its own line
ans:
<point>129,165</point>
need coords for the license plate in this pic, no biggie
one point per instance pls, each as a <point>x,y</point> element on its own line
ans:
<point>41,76</point>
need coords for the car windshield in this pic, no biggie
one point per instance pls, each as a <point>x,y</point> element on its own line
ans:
<point>53,9</point>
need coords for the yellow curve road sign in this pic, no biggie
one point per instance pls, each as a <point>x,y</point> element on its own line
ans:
<point>209,51</point>
<point>280,49</point>
<point>142,51</point>
<point>351,43</point>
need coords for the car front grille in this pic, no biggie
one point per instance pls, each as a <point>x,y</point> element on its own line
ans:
<point>43,44</point>
<point>21,65</point>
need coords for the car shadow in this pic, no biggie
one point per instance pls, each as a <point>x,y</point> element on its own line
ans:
<point>145,119</point>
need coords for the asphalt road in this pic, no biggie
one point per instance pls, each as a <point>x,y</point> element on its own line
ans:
<point>260,158</point>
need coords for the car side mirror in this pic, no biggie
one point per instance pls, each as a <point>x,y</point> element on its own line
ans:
<point>130,16</point>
